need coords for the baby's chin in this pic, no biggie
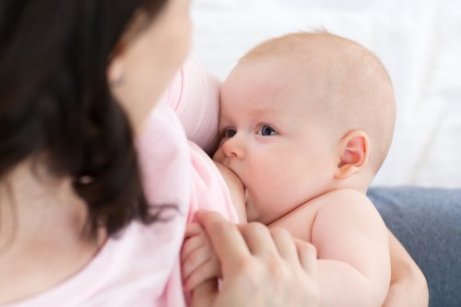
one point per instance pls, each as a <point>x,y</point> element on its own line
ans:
<point>250,209</point>
<point>254,214</point>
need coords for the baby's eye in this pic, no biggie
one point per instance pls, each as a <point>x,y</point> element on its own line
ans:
<point>228,133</point>
<point>267,130</point>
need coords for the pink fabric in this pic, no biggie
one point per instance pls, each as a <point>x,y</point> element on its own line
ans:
<point>140,267</point>
<point>194,95</point>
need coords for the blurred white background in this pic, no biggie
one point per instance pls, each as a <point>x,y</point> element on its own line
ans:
<point>419,41</point>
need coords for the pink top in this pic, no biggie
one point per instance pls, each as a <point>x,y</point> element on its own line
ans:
<point>140,267</point>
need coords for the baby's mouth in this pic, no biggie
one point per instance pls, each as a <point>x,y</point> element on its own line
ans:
<point>242,184</point>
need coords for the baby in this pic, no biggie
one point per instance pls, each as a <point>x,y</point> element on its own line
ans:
<point>306,121</point>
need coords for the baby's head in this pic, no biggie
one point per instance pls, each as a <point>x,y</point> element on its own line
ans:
<point>301,115</point>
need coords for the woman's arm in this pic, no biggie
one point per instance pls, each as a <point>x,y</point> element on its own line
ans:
<point>408,284</point>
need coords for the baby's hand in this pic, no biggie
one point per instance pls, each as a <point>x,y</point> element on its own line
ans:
<point>198,260</point>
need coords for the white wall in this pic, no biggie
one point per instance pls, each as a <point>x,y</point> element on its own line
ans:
<point>419,42</point>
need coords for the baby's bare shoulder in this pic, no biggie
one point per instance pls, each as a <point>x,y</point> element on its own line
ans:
<point>347,212</point>
<point>346,202</point>
<point>343,197</point>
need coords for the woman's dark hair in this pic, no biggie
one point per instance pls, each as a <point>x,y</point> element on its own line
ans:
<point>55,101</point>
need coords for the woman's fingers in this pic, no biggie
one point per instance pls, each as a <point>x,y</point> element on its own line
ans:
<point>260,268</point>
<point>307,255</point>
<point>258,239</point>
<point>285,244</point>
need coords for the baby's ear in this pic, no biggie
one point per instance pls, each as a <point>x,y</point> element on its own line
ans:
<point>353,153</point>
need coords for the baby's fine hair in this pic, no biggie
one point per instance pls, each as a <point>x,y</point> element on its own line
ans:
<point>359,90</point>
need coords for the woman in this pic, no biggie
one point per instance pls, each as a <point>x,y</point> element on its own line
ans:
<point>77,79</point>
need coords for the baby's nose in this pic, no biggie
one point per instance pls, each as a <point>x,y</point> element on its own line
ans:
<point>233,147</point>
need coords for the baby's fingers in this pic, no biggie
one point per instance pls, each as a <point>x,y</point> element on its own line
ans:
<point>193,229</point>
<point>190,245</point>
<point>207,271</point>
<point>194,256</point>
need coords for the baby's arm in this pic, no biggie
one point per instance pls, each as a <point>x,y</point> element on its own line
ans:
<point>198,260</point>
<point>352,244</point>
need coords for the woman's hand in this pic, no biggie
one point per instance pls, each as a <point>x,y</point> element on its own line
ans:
<point>259,267</point>
<point>408,284</point>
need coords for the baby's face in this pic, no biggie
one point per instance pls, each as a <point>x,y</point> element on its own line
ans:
<point>273,140</point>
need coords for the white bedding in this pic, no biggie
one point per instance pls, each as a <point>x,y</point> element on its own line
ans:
<point>419,42</point>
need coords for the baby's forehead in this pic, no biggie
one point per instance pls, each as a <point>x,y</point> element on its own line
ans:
<point>277,87</point>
